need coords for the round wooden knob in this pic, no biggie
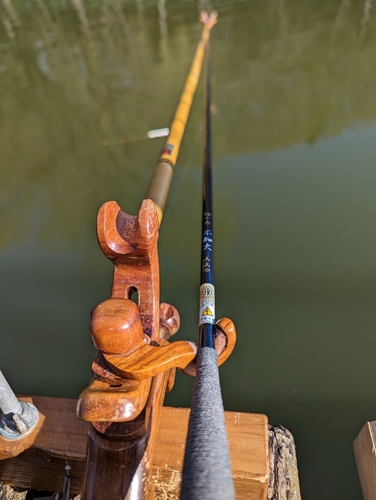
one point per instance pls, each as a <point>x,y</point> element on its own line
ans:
<point>169,320</point>
<point>116,326</point>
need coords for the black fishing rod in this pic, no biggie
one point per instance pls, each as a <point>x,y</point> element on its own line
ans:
<point>207,469</point>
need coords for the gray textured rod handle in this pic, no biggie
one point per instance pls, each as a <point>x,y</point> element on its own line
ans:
<point>8,400</point>
<point>207,468</point>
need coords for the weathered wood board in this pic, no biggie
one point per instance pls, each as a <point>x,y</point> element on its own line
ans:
<point>365,457</point>
<point>283,468</point>
<point>38,461</point>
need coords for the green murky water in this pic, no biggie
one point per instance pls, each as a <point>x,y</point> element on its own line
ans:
<point>294,126</point>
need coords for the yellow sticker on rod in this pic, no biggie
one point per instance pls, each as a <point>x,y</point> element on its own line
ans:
<point>207,311</point>
<point>207,304</point>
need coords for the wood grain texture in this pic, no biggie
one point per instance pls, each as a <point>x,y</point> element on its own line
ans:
<point>10,493</point>
<point>284,478</point>
<point>116,331</point>
<point>147,360</point>
<point>124,413</point>
<point>112,452</point>
<point>39,460</point>
<point>169,320</point>
<point>130,242</point>
<point>116,326</point>
<point>248,441</point>
<point>121,401</point>
<point>365,457</point>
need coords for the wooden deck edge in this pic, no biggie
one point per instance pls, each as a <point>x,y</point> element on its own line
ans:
<point>283,465</point>
<point>365,457</point>
<point>258,452</point>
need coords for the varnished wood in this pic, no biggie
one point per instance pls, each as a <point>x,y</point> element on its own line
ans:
<point>118,401</point>
<point>143,473</point>
<point>127,447</point>
<point>124,412</point>
<point>365,457</point>
<point>170,380</point>
<point>112,464</point>
<point>121,409</point>
<point>130,353</point>
<point>131,244</point>
<point>116,326</point>
<point>228,328</point>
<point>39,460</point>
<point>169,320</point>
<point>149,360</point>
<point>224,342</point>
<point>116,331</point>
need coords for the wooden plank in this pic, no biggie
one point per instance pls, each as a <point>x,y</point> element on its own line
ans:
<point>38,461</point>
<point>365,457</point>
<point>248,440</point>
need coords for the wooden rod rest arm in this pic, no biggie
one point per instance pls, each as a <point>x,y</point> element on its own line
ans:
<point>132,339</point>
<point>135,364</point>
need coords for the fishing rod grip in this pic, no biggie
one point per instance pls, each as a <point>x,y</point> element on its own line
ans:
<point>207,467</point>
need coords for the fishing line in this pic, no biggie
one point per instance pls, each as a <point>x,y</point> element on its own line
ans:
<point>65,495</point>
<point>150,134</point>
<point>207,467</point>
<point>184,170</point>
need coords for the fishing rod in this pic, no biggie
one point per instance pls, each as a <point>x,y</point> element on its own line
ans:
<point>131,370</point>
<point>207,468</point>
<point>160,182</point>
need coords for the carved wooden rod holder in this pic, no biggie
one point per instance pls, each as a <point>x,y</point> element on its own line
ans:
<point>132,339</point>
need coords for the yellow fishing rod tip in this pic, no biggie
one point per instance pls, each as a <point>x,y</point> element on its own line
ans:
<point>209,20</point>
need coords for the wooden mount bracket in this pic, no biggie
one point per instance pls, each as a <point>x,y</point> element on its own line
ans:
<point>120,388</point>
<point>113,401</point>
<point>116,331</point>
<point>110,397</point>
<point>132,338</point>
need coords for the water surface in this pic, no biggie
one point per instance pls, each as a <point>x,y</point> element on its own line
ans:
<point>294,124</point>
